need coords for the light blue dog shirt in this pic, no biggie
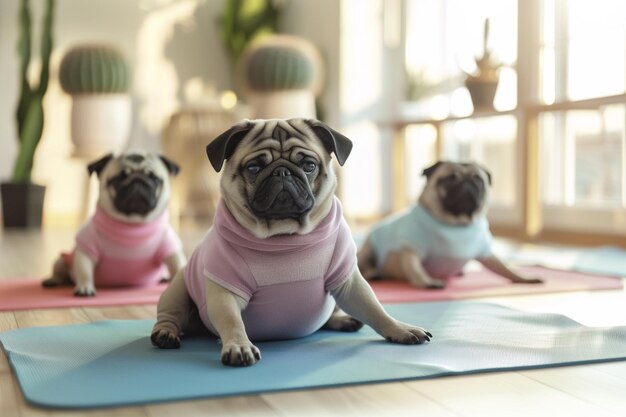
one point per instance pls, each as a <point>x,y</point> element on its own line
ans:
<point>443,248</point>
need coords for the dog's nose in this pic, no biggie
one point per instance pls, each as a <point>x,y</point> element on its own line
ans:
<point>282,172</point>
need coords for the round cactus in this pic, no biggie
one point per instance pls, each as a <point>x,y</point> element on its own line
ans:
<point>94,70</point>
<point>274,67</point>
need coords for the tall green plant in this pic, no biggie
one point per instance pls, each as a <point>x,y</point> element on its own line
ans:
<point>245,20</point>
<point>29,115</point>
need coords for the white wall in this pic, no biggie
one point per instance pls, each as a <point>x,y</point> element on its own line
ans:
<point>167,42</point>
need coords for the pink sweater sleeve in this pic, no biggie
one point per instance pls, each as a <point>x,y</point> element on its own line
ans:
<point>170,244</point>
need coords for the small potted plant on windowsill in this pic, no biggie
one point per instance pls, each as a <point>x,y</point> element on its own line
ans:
<point>22,200</point>
<point>483,83</point>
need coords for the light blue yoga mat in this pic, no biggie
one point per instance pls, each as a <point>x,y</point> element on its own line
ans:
<point>601,260</point>
<point>112,363</point>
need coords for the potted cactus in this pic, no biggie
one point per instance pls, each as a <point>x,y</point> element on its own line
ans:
<point>22,200</point>
<point>483,83</point>
<point>98,78</point>
<point>281,75</point>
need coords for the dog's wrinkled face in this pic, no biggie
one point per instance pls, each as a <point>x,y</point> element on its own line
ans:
<point>456,193</point>
<point>278,177</point>
<point>134,186</point>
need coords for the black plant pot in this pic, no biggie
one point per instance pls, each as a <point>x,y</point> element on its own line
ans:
<point>22,205</point>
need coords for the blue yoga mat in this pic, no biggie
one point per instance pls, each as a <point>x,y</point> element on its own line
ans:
<point>112,363</point>
<point>601,260</point>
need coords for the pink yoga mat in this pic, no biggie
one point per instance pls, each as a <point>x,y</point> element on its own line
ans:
<point>484,283</point>
<point>27,294</point>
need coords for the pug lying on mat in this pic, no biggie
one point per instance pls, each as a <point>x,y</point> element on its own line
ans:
<point>129,239</point>
<point>434,239</point>
<point>279,255</point>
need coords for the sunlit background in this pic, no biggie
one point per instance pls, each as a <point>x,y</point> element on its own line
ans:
<point>394,81</point>
<point>563,73</point>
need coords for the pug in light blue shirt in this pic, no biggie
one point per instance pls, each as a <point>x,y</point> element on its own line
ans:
<point>433,240</point>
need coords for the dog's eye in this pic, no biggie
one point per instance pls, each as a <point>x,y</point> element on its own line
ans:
<point>309,166</point>
<point>253,168</point>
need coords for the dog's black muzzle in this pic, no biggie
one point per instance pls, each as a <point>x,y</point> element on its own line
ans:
<point>283,193</point>
<point>463,197</point>
<point>136,192</point>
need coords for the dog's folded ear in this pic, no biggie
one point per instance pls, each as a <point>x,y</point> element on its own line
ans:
<point>333,141</point>
<point>98,166</point>
<point>223,146</point>
<point>487,173</point>
<point>171,166</point>
<point>427,172</point>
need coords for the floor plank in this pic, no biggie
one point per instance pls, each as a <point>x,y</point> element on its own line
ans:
<point>590,382</point>
<point>248,406</point>
<point>50,317</point>
<point>379,400</point>
<point>8,397</point>
<point>120,313</point>
<point>7,321</point>
<point>506,394</point>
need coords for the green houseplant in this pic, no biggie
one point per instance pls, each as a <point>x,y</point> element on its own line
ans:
<point>22,200</point>
<point>98,79</point>
<point>244,21</point>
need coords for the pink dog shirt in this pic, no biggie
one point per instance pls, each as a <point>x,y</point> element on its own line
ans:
<point>285,279</point>
<point>127,254</point>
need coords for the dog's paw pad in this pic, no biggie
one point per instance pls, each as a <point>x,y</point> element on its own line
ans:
<point>164,339</point>
<point>84,293</point>
<point>436,285</point>
<point>350,324</point>
<point>240,354</point>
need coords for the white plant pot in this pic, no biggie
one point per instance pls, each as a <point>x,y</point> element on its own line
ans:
<point>100,124</point>
<point>282,104</point>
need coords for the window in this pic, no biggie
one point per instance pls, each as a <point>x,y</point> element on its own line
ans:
<point>443,39</point>
<point>582,148</point>
<point>556,138</point>
<point>583,49</point>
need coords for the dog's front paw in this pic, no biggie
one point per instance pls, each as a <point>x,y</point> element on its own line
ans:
<point>435,284</point>
<point>523,280</point>
<point>240,354</point>
<point>428,283</point>
<point>85,290</point>
<point>165,339</point>
<point>406,334</point>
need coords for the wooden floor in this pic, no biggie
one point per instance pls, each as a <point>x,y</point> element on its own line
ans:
<point>592,390</point>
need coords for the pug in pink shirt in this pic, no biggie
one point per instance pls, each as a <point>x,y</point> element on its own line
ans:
<point>128,242</point>
<point>279,261</point>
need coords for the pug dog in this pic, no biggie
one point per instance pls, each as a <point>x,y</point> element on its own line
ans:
<point>128,240</point>
<point>433,240</point>
<point>279,258</point>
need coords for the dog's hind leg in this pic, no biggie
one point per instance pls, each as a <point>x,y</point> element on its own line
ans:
<point>60,274</point>
<point>173,313</point>
<point>367,261</point>
<point>341,322</point>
